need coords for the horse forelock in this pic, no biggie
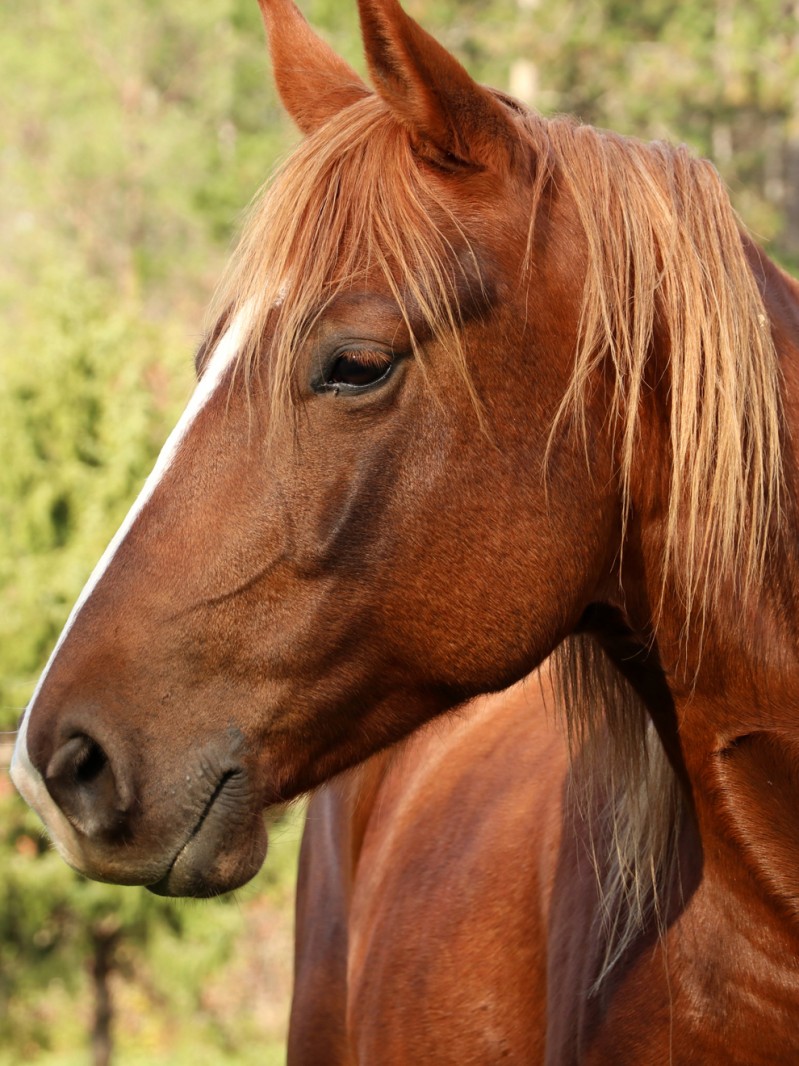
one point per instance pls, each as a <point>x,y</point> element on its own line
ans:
<point>669,298</point>
<point>349,208</point>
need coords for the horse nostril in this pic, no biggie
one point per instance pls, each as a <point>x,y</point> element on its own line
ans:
<point>90,762</point>
<point>81,780</point>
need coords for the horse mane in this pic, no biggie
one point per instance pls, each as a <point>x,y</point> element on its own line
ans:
<point>666,263</point>
<point>665,253</point>
<point>624,790</point>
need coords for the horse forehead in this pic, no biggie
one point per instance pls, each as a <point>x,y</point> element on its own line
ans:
<point>472,284</point>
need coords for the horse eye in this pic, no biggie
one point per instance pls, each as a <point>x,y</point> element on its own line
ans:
<point>359,367</point>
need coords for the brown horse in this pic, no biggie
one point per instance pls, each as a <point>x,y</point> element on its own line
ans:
<point>479,386</point>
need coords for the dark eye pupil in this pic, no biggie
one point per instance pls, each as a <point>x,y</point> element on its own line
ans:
<point>359,368</point>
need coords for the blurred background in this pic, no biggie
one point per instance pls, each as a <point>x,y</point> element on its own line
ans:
<point>131,139</point>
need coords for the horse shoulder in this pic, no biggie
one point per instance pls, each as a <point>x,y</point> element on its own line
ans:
<point>449,911</point>
<point>334,826</point>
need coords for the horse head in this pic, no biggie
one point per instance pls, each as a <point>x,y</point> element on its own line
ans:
<point>413,463</point>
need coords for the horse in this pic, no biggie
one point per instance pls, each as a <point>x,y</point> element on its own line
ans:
<point>479,388</point>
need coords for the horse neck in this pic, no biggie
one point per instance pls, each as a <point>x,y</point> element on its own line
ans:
<point>724,693</point>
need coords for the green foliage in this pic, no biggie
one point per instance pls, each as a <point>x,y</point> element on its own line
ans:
<point>174,957</point>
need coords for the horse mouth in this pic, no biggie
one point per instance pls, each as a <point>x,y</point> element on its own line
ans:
<point>225,849</point>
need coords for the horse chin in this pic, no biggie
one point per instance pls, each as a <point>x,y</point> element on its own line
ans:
<point>225,850</point>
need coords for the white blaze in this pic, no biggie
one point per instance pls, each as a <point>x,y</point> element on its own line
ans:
<point>24,774</point>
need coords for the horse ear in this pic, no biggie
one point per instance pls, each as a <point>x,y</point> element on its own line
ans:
<point>314,83</point>
<point>455,121</point>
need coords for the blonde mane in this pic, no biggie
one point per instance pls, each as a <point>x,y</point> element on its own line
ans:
<point>665,253</point>
<point>665,262</point>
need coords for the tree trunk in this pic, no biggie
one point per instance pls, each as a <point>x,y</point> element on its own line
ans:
<point>104,942</point>
<point>721,136</point>
<point>523,73</point>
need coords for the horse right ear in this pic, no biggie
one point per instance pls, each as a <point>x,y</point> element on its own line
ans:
<point>453,121</point>
<point>314,83</point>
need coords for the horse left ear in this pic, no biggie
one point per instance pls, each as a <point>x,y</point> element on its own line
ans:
<point>314,83</point>
<point>455,122</point>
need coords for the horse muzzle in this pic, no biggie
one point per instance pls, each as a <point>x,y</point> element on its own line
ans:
<point>226,847</point>
<point>193,829</point>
